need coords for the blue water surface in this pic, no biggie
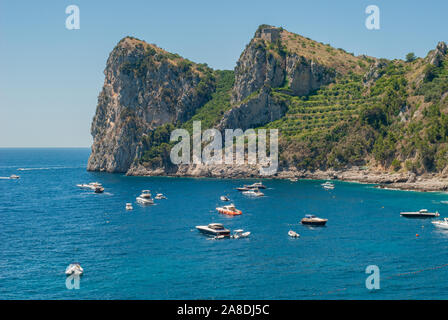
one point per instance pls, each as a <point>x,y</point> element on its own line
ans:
<point>155,252</point>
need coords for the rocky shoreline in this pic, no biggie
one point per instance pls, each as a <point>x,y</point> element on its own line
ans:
<point>386,180</point>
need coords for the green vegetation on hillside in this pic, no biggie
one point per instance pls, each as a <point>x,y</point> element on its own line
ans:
<point>344,122</point>
<point>211,113</point>
<point>157,143</point>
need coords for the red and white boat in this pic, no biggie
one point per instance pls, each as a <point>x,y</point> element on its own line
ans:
<point>229,210</point>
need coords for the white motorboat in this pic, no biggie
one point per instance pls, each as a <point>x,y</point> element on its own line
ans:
<point>256,185</point>
<point>253,193</point>
<point>442,224</point>
<point>312,220</point>
<point>159,196</point>
<point>328,185</point>
<point>145,198</point>
<point>95,186</point>
<point>239,233</point>
<point>214,229</point>
<point>129,206</point>
<point>224,198</point>
<point>13,176</point>
<point>74,268</point>
<point>293,234</point>
<point>423,213</point>
<point>293,179</point>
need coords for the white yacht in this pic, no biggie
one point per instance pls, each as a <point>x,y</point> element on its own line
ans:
<point>442,224</point>
<point>214,229</point>
<point>129,206</point>
<point>253,193</point>
<point>145,198</point>
<point>224,198</point>
<point>74,268</point>
<point>160,196</point>
<point>422,213</point>
<point>13,176</point>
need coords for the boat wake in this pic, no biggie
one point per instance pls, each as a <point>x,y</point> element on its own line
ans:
<point>48,168</point>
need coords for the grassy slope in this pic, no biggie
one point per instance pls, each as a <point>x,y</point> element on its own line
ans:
<point>211,113</point>
<point>324,54</point>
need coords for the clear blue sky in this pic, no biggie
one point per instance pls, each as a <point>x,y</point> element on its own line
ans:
<point>50,77</point>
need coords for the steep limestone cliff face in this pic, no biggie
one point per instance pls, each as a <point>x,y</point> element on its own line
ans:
<point>256,68</point>
<point>305,76</point>
<point>144,87</point>
<point>257,111</point>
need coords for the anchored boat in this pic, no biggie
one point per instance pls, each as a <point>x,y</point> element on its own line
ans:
<point>328,185</point>
<point>145,198</point>
<point>229,210</point>
<point>253,193</point>
<point>423,213</point>
<point>312,220</point>
<point>293,234</point>
<point>256,185</point>
<point>214,229</point>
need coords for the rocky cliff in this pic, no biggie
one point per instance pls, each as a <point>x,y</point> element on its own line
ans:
<point>144,87</point>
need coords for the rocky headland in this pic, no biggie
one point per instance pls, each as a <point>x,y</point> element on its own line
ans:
<point>340,116</point>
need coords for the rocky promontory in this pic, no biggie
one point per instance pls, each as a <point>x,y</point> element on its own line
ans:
<point>144,88</point>
<point>337,113</point>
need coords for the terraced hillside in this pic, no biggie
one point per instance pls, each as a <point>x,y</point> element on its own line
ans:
<point>321,111</point>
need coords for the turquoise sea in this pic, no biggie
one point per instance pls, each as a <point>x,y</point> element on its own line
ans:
<point>46,223</point>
